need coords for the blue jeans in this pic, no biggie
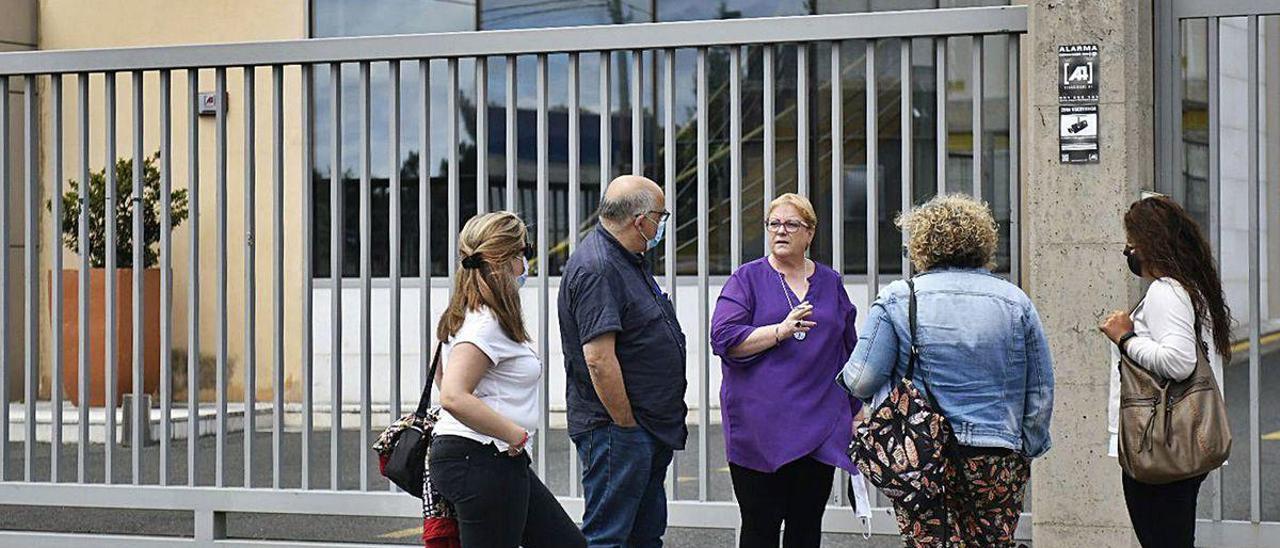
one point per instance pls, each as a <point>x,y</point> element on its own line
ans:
<point>622,475</point>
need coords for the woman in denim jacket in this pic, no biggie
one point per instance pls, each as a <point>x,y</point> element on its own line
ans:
<point>983,358</point>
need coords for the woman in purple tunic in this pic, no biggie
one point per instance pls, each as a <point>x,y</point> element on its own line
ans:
<point>783,327</point>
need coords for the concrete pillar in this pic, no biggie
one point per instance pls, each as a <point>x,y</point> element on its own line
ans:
<point>1075,271</point>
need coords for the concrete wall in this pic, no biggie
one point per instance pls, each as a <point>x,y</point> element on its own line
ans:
<point>17,33</point>
<point>1076,491</point>
<point>121,23</point>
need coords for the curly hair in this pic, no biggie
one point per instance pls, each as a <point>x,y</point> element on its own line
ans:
<point>1169,243</point>
<point>950,231</point>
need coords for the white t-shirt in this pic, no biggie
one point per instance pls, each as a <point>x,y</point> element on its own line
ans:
<point>1165,344</point>
<point>510,387</point>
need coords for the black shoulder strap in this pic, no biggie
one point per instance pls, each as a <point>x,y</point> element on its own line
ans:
<point>911,321</point>
<point>424,401</point>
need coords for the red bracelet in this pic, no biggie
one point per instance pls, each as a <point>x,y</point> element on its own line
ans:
<point>523,440</point>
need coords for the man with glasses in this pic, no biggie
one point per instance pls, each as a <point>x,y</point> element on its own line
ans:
<point>625,368</point>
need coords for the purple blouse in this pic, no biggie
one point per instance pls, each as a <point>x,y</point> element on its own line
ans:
<point>781,405</point>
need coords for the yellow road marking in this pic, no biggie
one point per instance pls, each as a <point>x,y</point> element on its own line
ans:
<point>403,533</point>
<point>1274,436</point>
<point>1243,345</point>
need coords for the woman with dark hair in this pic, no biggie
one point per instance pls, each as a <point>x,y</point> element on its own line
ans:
<point>1184,299</point>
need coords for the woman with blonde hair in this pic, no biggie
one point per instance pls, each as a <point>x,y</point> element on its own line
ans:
<point>981,357</point>
<point>489,395</point>
<point>783,326</point>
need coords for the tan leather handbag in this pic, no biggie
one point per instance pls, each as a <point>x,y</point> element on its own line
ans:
<point>1171,431</point>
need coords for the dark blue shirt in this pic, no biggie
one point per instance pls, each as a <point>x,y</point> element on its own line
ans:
<point>607,289</point>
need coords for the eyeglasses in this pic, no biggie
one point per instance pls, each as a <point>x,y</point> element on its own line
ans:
<point>788,227</point>
<point>663,215</point>
<point>1128,250</point>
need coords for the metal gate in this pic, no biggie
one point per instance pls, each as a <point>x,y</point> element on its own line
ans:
<point>1216,93</point>
<point>70,117</point>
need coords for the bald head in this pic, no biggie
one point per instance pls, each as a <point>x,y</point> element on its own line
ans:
<point>628,196</point>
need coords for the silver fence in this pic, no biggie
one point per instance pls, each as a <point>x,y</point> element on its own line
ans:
<point>65,80</point>
<point>1211,54</point>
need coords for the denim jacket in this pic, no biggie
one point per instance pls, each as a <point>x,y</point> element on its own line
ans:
<point>983,357</point>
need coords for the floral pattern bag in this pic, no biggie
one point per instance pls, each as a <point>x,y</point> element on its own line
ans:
<point>904,445</point>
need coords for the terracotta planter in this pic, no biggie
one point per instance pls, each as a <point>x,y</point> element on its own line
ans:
<point>97,333</point>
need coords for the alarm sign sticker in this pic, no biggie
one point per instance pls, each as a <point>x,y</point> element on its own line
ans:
<point>1078,73</point>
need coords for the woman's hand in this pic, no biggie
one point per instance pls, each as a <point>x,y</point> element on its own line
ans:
<point>796,322</point>
<point>1116,325</point>
<point>516,444</point>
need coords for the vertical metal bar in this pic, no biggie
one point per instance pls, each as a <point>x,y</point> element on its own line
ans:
<point>735,156</point>
<point>575,191</point>
<point>940,118</point>
<point>82,287</point>
<point>770,136</point>
<point>193,290</point>
<point>250,272</point>
<point>1176,144</point>
<point>109,342</point>
<point>307,170</point>
<point>513,164</point>
<point>366,287</point>
<point>138,264</point>
<point>452,131</point>
<point>1215,203</point>
<point>220,181</point>
<point>976,113</point>
<point>802,119</point>
<point>669,189</point>
<point>837,159</point>
<point>1255,278</point>
<point>424,219</point>
<point>55,280</point>
<point>4,278</point>
<point>908,141</point>
<point>277,267</point>
<point>394,214</point>
<point>336,238</point>
<point>637,114</point>
<point>873,173</point>
<point>1215,149</point>
<point>606,120</point>
<point>482,134</point>
<point>166,271</point>
<point>31,285</point>
<point>575,183</point>
<point>1015,155</point>
<point>704,359</point>
<point>544,278</point>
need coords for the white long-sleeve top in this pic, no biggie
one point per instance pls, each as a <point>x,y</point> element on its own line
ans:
<point>1164,323</point>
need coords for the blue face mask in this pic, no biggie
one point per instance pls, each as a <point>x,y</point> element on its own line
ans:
<point>524,274</point>
<point>657,238</point>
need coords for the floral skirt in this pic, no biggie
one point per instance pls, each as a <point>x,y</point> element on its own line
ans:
<point>981,507</point>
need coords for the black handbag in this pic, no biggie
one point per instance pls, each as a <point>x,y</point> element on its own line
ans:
<point>904,445</point>
<point>402,447</point>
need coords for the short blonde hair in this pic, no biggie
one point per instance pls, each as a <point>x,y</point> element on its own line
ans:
<point>952,230</point>
<point>800,203</point>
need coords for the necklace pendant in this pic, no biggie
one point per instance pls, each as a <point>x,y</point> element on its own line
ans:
<point>799,335</point>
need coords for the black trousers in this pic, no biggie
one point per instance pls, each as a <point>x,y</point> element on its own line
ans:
<point>501,503</point>
<point>797,493</point>
<point>1163,516</point>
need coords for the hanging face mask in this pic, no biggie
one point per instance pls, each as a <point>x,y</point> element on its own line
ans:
<point>524,273</point>
<point>1135,263</point>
